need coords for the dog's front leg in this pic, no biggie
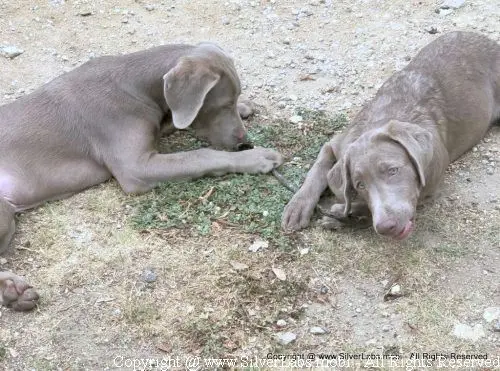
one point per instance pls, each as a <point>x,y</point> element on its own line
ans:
<point>300,208</point>
<point>146,171</point>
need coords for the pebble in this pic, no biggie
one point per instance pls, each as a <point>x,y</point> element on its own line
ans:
<point>285,338</point>
<point>445,12</point>
<point>296,119</point>
<point>225,21</point>
<point>490,171</point>
<point>453,4</point>
<point>496,327</point>
<point>257,245</point>
<point>149,7</point>
<point>466,332</point>
<point>395,290</point>
<point>3,261</point>
<point>11,51</point>
<point>148,275</point>
<point>386,328</point>
<point>316,330</point>
<point>492,313</point>
<point>281,323</point>
<point>304,251</point>
<point>238,266</point>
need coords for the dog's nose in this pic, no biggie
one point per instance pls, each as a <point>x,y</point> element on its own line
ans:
<point>244,146</point>
<point>386,227</point>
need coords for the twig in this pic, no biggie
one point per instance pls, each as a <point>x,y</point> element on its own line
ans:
<point>66,308</point>
<point>284,182</point>
<point>207,195</point>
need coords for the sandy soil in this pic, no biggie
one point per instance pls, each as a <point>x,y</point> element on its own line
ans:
<point>86,259</point>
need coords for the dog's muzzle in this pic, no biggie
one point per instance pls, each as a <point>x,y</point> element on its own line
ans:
<point>244,146</point>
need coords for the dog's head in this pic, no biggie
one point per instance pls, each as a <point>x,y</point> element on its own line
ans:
<point>202,91</point>
<point>385,167</point>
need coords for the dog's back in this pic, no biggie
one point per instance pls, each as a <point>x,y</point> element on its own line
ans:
<point>452,85</point>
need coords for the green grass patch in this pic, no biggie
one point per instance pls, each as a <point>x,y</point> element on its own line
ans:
<point>251,203</point>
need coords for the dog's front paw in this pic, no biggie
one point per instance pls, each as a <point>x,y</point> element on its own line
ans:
<point>258,161</point>
<point>18,295</point>
<point>297,213</point>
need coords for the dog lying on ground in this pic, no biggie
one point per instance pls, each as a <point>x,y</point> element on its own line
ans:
<point>396,151</point>
<point>103,119</point>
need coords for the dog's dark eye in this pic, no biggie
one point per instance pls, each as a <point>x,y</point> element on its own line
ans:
<point>360,185</point>
<point>393,171</point>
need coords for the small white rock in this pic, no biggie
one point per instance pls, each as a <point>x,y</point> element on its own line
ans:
<point>492,313</point>
<point>453,4</point>
<point>238,266</point>
<point>281,323</point>
<point>11,51</point>
<point>316,330</point>
<point>396,290</point>
<point>296,119</point>
<point>466,332</point>
<point>257,245</point>
<point>285,338</point>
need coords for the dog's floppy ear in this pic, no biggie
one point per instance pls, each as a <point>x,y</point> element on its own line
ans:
<point>417,142</point>
<point>185,87</point>
<point>339,177</point>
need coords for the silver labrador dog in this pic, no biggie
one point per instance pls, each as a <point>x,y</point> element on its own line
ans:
<point>103,120</point>
<point>396,151</point>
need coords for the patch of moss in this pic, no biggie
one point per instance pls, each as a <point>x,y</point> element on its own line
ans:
<point>252,203</point>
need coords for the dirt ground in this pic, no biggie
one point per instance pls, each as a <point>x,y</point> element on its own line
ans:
<point>88,261</point>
